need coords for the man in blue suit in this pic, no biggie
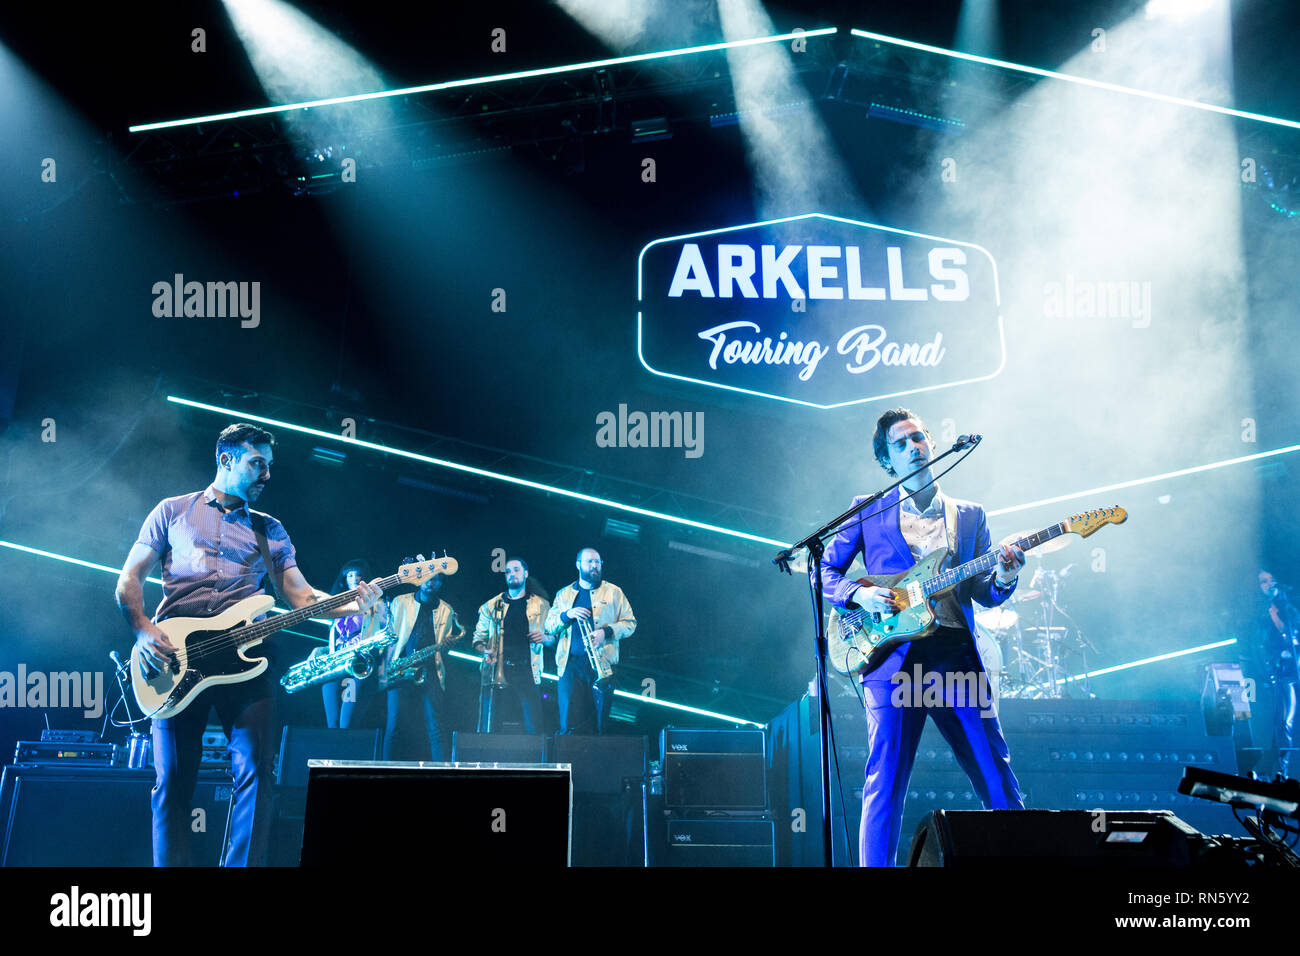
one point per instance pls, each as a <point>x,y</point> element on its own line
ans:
<point>891,538</point>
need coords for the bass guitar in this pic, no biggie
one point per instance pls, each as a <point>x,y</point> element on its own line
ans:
<point>858,640</point>
<point>210,650</point>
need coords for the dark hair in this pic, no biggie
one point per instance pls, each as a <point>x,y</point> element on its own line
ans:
<point>580,550</point>
<point>880,441</point>
<point>341,582</point>
<point>232,439</point>
<point>520,560</point>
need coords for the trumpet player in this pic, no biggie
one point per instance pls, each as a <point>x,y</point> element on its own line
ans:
<point>510,635</point>
<point>585,625</point>
<point>420,620</point>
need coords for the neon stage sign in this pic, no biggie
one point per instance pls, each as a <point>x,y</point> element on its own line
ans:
<point>819,311</point>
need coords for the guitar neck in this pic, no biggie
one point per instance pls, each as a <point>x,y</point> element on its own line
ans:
<point>988,560</point>
<point>264,629</point>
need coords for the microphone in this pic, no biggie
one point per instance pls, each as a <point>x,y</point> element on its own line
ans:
<point>112,655</point>
<point>964,440</point>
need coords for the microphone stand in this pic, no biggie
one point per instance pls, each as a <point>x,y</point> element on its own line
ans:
<point>816,546</point>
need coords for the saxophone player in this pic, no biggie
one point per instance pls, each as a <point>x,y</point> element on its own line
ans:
<point>420,620</point>
<point>341,696</point>
<point>585,625</point>
<point>510,635</point>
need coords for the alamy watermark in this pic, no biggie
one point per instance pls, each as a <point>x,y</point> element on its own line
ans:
<point>78,690</point>
<point>1093,299</point>
<point>181,299</point>
<point>76,908</point>
<point>625,429</point>
<point>949,689</point>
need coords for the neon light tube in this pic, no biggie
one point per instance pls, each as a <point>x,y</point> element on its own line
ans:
<point>1082,80</point>
<point>479,80</point>
<point>1146,481</point>
<point>480,472</point>
<point>1152,660</point>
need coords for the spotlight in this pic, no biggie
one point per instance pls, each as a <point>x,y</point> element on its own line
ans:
<point>1178,11</point>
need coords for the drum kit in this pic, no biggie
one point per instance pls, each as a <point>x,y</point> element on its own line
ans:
<point>1025,642</point>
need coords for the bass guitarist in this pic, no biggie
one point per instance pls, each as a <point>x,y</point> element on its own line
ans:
<point>216,551</point>
<point>892,541</point>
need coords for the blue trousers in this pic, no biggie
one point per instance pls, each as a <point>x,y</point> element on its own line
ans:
<point>247,713</point>
<point>406,698</point>
<point>520,686</point>
<point>894,725</point>
<point>1285,695</point>
<point>585,702</point>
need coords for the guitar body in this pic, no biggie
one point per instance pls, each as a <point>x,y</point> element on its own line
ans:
<point>207,651</point>
<point>855,643</point>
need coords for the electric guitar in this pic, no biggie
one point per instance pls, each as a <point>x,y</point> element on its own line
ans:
<point>858,640</point>
<point>210,650</point>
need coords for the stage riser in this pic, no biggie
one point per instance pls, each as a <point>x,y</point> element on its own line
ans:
<point>1112,755</point>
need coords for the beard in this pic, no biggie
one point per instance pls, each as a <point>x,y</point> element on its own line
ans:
<point>592,579</point>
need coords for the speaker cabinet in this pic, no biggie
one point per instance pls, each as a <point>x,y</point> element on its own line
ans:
<point>412,815</point>
<point>721,843</point>
<point>57,816</point>
<point>601,764</point>
<point>1077,838</point>
<point>298,745</point>
<point>714,769</point>
<point>301,744</point>
<point>497,748</point>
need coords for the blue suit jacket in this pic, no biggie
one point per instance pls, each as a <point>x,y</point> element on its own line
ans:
<point>879,539</point>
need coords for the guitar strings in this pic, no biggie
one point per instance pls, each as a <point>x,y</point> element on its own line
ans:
<point>854,617</point>
<point>262,629</point>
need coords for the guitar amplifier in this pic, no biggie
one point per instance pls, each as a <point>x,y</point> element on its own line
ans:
<point>93,816</point>
<point>714,769</point>
<point>721,842</point>
<point>56,753</point>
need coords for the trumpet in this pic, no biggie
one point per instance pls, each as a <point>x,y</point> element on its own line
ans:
<point>356,660</point>
<point>600,666</point>
<point>497,647</point>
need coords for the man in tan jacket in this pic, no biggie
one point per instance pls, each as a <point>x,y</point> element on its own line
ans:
<point>511,624</point>
<point>421,620</point>
<point>595,603</point>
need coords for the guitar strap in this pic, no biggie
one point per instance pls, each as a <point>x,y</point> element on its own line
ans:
<point>950,525</point>
<point>258,522</point>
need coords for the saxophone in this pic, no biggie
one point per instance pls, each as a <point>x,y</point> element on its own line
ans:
<point>409,668</point>
<point>356,660</point>
<point>600,666</point>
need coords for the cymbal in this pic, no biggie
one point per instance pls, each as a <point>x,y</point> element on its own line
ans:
<point>1056,544</point>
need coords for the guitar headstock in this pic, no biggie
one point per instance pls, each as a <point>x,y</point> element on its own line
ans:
<point>1088,522</point>
<point>417,572</point>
